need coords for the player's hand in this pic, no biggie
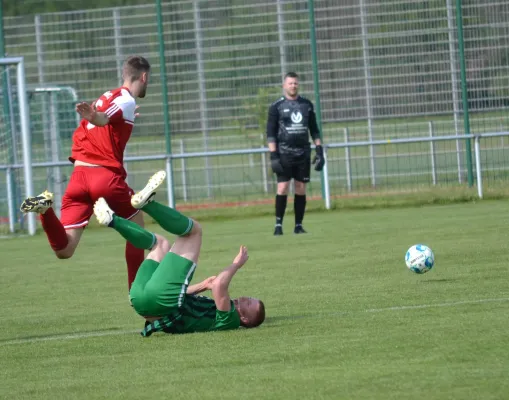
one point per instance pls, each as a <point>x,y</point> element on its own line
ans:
<point>242,257</point>
<point>319,160</point>
<point>86,111</point>
<point>208,282</point>
<point>275,163</point>
<point>136,114</point>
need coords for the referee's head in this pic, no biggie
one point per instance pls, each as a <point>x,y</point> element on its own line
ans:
<point>291,85</point>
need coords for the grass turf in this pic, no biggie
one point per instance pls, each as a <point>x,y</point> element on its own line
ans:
<point>346,319</point>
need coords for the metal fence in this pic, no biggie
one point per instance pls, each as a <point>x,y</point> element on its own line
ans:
<point>427,167</point>
<point>376,59</point>
<point>384,68</point>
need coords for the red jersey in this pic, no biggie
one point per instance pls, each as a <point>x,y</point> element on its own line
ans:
<point>105,145</point>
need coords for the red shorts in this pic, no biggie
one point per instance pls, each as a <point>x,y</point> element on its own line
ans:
<point>86,185</point>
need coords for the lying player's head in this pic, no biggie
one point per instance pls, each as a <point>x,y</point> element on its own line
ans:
<point>136,71</point>
<point>251,311</point>
<point>291,84</point>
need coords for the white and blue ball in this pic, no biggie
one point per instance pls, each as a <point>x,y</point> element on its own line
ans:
<point>419,258</point>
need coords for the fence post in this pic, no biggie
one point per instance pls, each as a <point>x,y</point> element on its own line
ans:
<point>166,103</point>
<point>202,92</point>
<point>183,168</point>
<point>46,128</point>
<point>432,152</point>
<point>477,149</point>
<point>464,91</point>
<point>316,77</point>
<point>367,84</point>
<point>326,179</point>
<point>55,150</point>
<point>8,114</point>
<point>27,142</point>
<point>169,174</point>
<point>348,169</point>
<point>281,33</point>
<point>118,44</point>
<point>10,199</point>
<point>454,84</point>
<point>264,168</point>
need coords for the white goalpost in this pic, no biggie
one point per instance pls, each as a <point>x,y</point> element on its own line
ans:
<point>10,165</point>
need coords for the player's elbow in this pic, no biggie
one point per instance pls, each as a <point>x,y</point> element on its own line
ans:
<point>219,288</point>
<point>220,295</point>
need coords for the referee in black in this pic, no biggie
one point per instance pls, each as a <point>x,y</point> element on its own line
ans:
<point>291,119</point>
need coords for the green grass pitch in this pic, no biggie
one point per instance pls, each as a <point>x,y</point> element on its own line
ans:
<point>345,318</point>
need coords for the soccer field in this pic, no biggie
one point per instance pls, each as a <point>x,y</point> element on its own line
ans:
<point>345,318</point>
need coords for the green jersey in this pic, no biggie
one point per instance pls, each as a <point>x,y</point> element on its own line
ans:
<point>160,290</point>
<point>197,314</point>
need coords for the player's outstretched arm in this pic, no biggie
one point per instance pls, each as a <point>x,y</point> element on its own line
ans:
<point>89,113</point>
<point>202,286</point>
<point>222,281</point>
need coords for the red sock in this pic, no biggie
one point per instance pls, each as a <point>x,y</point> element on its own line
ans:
<point>134,257</point>
<point>54,230</point>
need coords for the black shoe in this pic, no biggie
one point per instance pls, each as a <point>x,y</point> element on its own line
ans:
<point>299,229</point>
<point>278,230</point>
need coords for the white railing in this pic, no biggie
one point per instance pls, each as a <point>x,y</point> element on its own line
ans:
<point>325,173</point>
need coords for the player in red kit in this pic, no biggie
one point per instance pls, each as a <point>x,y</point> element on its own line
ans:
<point>98,155</point>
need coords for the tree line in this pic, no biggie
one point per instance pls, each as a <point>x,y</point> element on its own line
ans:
<point>13,8</point>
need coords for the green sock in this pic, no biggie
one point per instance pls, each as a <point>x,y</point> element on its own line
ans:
<point>133,233</point>
<point>169,219</point>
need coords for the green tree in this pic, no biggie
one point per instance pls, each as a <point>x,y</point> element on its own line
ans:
<point>30,7</point>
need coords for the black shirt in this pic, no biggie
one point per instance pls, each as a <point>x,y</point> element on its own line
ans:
<point>288,124</point>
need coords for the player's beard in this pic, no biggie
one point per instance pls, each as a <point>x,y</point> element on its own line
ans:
<point>143,92</point>
<point>292,92</point>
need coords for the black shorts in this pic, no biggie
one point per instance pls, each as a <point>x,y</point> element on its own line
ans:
<point>295,168</point>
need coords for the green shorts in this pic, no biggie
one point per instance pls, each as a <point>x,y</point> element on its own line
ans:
<point>159,288</point>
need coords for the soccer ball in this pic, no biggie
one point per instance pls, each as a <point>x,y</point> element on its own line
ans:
<point>419,259</point>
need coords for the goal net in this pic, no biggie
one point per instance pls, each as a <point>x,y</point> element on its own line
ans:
<point>15,149</point>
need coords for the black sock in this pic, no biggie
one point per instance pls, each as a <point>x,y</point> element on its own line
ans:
<point>281,200</point>
<point>299,205</point>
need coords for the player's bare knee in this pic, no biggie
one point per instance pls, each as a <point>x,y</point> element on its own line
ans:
<point>162,244</point>
<point>73,239</point>
<point>197,229</point>
<point>64,254</point>
<point>219,288</point>
<point>300,188</point>
<point>283,188</point>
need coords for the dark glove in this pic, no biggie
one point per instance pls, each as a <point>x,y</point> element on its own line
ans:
<point>275,163</point>
<point>319,160</point>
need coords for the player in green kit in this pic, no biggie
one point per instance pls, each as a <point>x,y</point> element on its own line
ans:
<point>161,292</point>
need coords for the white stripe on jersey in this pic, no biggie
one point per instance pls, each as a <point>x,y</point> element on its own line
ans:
<point>127,104</point>
<point>129,122</point>
<point>112,110</point>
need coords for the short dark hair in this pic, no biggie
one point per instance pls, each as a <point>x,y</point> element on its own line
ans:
<point>292,75</point>
<point>134,66</point>
<point>259,317</point>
